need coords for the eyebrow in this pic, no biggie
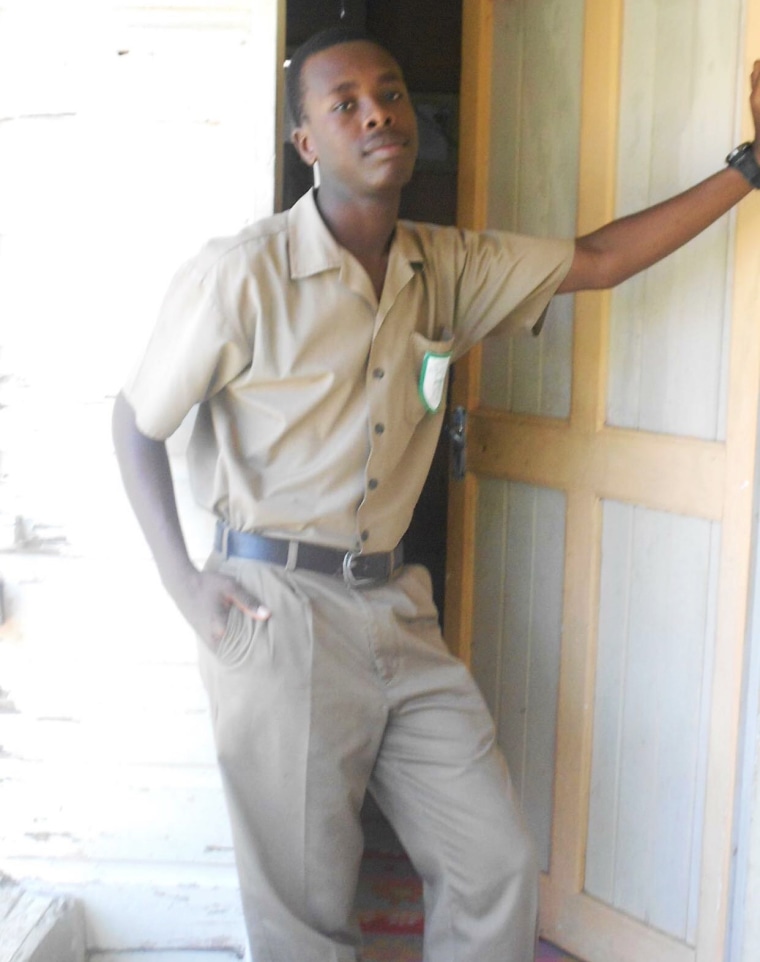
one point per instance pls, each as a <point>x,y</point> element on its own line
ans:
<point>390,76</point>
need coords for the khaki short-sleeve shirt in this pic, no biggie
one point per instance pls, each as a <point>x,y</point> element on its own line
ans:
<point>320,407</point>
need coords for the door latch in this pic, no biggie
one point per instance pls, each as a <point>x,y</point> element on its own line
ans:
<point>457,432</point>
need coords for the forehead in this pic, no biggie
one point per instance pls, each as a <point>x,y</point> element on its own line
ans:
<point>348,64</point>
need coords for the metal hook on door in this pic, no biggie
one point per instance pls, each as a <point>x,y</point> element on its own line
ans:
<point>457,432</point>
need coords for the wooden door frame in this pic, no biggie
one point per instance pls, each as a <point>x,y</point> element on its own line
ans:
<point>472,207</point>
<point>714,480</point>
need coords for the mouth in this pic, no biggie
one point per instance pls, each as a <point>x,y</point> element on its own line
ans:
<point>383,144</point>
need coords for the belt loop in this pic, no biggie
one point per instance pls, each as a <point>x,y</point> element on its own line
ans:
<point>290,564</point>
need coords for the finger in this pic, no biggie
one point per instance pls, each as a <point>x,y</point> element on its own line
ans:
<point>235,594</point>
<point>252,608</point>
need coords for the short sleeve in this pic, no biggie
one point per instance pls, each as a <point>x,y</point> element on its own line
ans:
<point>506,283</point>
<point>193,352</point>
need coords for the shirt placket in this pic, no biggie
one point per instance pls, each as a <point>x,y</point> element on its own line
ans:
<point>383,422</point>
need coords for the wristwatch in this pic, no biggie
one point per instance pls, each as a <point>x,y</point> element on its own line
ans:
<point>742,158</point>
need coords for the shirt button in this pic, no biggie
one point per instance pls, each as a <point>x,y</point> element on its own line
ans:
<point>365,535</point>
<point>378,373</point>
<point>379,428</point>
<point>373,483</point>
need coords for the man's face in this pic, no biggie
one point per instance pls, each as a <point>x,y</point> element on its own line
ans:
<point>358,120</point>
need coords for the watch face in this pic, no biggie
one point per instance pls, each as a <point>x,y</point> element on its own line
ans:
<point>737,152</point>
<point>742,158</point>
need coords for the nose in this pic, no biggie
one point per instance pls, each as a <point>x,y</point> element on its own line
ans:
<point>378,115</point>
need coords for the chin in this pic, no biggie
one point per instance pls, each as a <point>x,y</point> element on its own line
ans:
<point>397,180</point>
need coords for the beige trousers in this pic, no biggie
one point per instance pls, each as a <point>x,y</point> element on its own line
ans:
<point>344,691</point>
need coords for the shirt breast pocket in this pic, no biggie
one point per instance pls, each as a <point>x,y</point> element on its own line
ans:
<point>426,387</point>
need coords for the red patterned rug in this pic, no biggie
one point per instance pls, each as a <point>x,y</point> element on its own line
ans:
<point>390,900</point>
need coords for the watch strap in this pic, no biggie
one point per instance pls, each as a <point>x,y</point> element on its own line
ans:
<point>742,158</point>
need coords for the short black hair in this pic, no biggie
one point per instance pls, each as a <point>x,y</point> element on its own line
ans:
<point>330,37</point>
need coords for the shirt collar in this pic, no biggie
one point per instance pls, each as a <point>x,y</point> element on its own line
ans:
<point>313,249</point>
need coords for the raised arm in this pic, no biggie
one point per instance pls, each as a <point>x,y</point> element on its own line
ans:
<point>626,246</point>
<point>204,598</point>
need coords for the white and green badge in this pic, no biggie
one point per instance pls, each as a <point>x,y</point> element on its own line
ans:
<point>435,365</point>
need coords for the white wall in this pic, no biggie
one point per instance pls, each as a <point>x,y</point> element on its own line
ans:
<point>130,136</point>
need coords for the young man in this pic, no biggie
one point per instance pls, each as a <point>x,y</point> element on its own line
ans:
<point>316,344</point>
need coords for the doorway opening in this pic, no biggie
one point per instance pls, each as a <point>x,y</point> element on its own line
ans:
<point>425,38</point>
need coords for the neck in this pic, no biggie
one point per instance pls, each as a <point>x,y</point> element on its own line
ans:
<point>364,226</point>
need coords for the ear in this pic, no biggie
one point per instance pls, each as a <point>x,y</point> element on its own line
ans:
<point>303,144</point>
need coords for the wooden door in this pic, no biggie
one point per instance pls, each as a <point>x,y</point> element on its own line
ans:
<point>599,544</point>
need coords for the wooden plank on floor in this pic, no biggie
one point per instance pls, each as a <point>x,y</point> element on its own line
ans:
<point>20,913</point>
<point>148,906</point>
<point>39,928</point>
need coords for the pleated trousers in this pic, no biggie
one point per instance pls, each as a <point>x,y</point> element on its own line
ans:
<point>341,692</point>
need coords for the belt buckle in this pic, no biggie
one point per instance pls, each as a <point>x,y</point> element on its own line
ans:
<point>348,572</point>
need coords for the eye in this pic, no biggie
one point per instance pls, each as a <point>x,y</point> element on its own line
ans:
<point>394,95</point>
<point>344,106</point>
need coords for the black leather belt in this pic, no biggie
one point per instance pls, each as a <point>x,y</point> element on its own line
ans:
<point>357,570</point>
